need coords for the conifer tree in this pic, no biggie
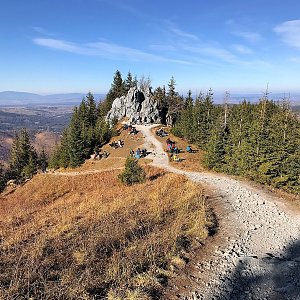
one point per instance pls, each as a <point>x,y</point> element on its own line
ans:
<point>2,178</point>
<point>63,157</point>
<point>129,82</point>
<point>43,161</point>
<point>216,148</point>
<point>91,110</point>
<point>102,132</point>
<point>117,90</point>
<point>76,144</point>
<point>132,173</point>
<point>159,96</point>
<point>23,161</point>
<point>174,101</point>
<point>184,125</point>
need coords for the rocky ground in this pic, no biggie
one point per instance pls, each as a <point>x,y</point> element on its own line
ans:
<point>256,254</point>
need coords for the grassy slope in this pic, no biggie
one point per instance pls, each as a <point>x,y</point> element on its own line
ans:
<point>88,236</point>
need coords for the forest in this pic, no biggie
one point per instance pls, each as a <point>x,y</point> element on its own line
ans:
<point>259,141</point>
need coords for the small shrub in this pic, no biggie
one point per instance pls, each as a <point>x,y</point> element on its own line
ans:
<point>133,173</point>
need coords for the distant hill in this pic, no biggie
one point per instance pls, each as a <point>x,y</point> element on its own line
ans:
<point>238,98</point>
<point>12,98</point>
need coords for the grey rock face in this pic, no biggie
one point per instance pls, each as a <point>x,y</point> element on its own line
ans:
<point>138,106</point>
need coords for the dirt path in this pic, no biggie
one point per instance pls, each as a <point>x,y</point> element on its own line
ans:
<point>258,256</point>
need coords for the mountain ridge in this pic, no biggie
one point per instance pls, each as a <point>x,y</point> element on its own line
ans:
<point>26,98</point>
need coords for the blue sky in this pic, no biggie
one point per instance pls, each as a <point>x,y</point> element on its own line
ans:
<point>240,46</point>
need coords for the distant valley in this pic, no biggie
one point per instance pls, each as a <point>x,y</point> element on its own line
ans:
<point>45,116</point>
<point>44,123</point>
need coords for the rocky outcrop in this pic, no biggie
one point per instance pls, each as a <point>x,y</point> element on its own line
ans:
<point>138,106</point>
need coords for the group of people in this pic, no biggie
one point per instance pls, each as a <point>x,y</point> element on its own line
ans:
<point>174,150</point>
<point>117,144</point>
<point>160,132</point>
<point>130,129</point>
<point>98,154</point>
<point>171,147</point>
<point>138,153</point>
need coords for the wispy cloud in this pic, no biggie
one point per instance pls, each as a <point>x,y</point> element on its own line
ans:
<point>125,7</point>
<point>104,49</point>
<point>252,37</point>
<point>179,32</point>
<point>295,59</point>
<point>62,45</point>
<point>162,47</point>
<point>289,32</point>
<point>241,49</point>
<point>42,31</point>
<point>211,51</point>
<point>184,34</point>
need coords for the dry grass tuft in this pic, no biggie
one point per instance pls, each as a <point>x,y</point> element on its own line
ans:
<point>90,237</point>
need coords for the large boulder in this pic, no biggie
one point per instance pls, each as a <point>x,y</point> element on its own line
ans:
<point>138,106</point>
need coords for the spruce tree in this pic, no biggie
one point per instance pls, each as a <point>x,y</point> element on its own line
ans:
<point>23,160</point>
<point>174,101</point>
<point>159,96</point>
<point>102,132</point>
<point>132,173</point>
<point>43,161</point>
<point>216,148</point>
<point>3,178</point>
<point>63,150</point>
<point>116,91</point>
<point>129,82</point>
<point>76,144</point>
<point>91,110</point>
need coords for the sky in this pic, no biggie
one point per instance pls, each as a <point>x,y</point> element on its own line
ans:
<point>239,46</point>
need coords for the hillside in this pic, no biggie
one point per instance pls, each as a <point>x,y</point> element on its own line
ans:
<point>85,235</point>
<point>67,237</point>
<point>80,233</point>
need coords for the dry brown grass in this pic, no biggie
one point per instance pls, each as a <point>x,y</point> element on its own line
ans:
<point>189,161</point>
<point>88,236</point>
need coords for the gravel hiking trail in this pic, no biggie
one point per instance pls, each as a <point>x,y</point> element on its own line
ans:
<point>256,252</point>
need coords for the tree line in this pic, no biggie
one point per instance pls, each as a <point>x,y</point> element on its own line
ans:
<point>257,140</point>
